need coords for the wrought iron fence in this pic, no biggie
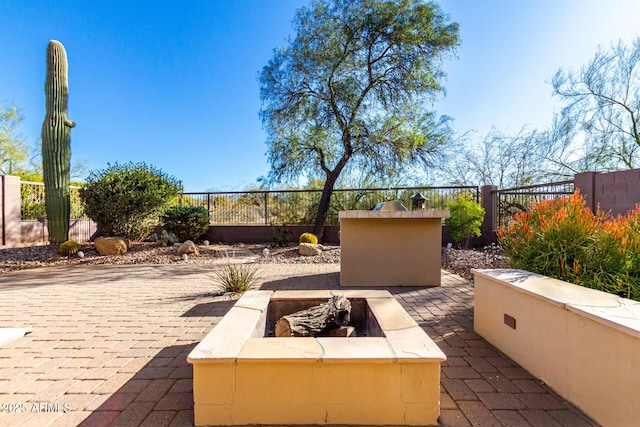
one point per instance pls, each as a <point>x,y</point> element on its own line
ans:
<point>518,199</point>
<point>300,206</point>
<point>32,205</point>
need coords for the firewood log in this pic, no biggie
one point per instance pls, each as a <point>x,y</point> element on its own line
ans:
<point>315,320</point>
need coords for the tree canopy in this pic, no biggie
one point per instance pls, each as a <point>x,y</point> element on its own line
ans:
<point>498,159</point>
<point>597,129</point>
<point>353,89</point>
<point>15,154</point>
<point>601,112</point>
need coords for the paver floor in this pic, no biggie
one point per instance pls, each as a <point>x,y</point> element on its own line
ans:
<point>109,347</point>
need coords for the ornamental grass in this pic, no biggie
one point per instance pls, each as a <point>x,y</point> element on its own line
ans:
<point>236,278</point>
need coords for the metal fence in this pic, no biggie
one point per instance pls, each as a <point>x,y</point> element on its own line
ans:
<point>266,207</point>
<point>300,206</point>
<point>518,199</point>
<point>32,206</point>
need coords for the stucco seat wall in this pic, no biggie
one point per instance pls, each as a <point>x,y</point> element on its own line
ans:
<point>583,343</point>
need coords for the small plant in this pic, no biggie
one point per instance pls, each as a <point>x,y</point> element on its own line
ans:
<point>309,238</point>
<point>186,222</point>
<point>164,239</point>
<point>281,237</point>
<point>465,220</point>
<point>69,248</point>
<point>236,278</point>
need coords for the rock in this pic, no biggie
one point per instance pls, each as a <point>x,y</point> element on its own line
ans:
<point>111,245</point>
<point>188,248</point>
<point>309,249</point>
<point>265,252</point>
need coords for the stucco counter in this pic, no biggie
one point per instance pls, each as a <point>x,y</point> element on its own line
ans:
<point>391,248</point>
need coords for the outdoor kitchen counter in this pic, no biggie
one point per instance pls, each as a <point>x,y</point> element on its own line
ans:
<point>391,248</point>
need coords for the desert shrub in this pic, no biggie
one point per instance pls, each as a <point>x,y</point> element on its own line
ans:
<point>235,277</point>
<point>465,220</point>
<point>127,200</point>
<point>553,238</point>
<point>186,222</point>
<point>69,248</point>
<point>309,238</point>
<point>280,236</point>
<point>164,239</point>
<point>564,239</point>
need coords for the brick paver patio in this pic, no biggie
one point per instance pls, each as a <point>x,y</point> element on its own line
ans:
<point>109,347</point>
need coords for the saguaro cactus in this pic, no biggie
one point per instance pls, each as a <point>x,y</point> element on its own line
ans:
<point>56,144</point>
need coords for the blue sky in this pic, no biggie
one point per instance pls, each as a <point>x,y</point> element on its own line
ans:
<point>175,84</point>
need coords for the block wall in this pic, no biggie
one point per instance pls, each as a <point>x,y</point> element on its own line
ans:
<point>615,192</point>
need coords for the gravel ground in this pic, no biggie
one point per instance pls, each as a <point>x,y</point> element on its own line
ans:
<point>289,255</point>
<point>461,262</point>
<point>456,261</point>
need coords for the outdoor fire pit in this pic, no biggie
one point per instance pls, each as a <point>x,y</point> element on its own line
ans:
<point>388,374</point>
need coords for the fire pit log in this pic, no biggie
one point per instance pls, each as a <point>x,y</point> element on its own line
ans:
<point>317,320</point>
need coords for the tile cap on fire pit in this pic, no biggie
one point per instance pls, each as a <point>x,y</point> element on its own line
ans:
<point>237,337</point>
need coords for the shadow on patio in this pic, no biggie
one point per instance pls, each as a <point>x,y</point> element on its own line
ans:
<point>160,393</point>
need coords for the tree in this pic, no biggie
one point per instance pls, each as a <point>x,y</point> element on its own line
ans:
<point>602,107</point>
<point>528,157</point>
<point>19,158</point>
<point>14,152</point>
<point>352,88</point>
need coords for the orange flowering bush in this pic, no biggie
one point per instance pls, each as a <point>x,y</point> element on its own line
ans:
<point>564,239</point>
<point>616,256</point>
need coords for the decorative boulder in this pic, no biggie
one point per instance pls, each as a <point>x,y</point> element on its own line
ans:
<point>189,248</point>
<point>111,245</point>
<point>309,249</point>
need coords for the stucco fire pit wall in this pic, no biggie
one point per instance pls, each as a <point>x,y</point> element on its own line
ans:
<point>391,376</point>
<point>391,248</point>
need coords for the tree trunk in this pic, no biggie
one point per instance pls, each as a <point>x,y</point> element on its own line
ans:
<point>323,207</point>
<point>317,320</point>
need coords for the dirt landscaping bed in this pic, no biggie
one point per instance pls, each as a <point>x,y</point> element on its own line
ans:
<point>11,259</point>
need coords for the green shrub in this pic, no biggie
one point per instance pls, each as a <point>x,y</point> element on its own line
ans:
<point>465,220</point>
<point>127,200</point>
<point>186,222</point>
<point>69,248</point>
<point>564,239</point>
<point>309,238</point>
